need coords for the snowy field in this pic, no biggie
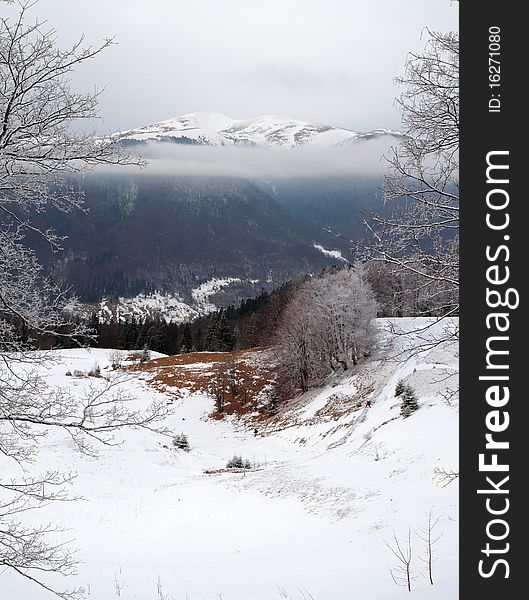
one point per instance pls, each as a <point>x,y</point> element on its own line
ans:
<point>332,482</point>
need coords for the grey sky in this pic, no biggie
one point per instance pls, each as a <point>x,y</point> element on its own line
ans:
<point>324,61</point>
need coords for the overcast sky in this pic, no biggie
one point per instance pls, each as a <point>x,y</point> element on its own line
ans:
<point>324,61</point>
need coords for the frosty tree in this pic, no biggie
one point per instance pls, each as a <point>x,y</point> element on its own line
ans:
<point>326,327</point>
<point>420,240</point>
<point>344,307</point>
<point>39,146</point>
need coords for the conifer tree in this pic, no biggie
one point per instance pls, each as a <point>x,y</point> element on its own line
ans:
<point>400,387</point>
<point>409,403</point>
<point>225,341</point>
<point>163,339</point>
<point>212,337</point>
<point>187,340</point>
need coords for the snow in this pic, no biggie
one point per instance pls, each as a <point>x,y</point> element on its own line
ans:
<point>264,131</point>
<point>331,484</point>
<point>166,306</point>
<point>202,293</point>
<point>169,307</point>
<point>332,253</point>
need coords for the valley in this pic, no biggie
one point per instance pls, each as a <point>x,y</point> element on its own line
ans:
<point>330,481</point>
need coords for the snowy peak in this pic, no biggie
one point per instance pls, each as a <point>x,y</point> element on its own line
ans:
<point>215,129</point>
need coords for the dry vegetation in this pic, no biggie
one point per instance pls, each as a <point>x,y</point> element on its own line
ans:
<point>245,381</point>
<point>243,378</point>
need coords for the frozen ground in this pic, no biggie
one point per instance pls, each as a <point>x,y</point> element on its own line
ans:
<point>332,481</point>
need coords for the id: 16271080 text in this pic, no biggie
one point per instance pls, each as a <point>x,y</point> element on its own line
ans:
<point>495,69</point>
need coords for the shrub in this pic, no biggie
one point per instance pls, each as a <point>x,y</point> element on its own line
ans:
<point>181,442</point>
<point>95,371</point>
<point>237,462</point>
<point>116,359</point>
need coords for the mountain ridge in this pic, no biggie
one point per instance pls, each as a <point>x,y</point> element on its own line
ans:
<point>266,131</point>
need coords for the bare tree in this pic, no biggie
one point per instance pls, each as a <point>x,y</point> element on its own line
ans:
<point>430,539</point>
<point>218,387</point>
<point>420,240</point>
<point>344,307</point>
<point>29,410</point>
<point>37,110</point>
<point>160,591</point>
<point>118,585</point>
<point>294,345</point>
<point>401,574</point>
<point>231,374</point>
<point>40,145</point>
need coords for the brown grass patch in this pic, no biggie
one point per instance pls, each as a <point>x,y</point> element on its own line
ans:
<point>242,376</point>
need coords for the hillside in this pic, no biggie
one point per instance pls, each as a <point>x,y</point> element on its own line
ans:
<point>331,481</point>
<point>145,234</point>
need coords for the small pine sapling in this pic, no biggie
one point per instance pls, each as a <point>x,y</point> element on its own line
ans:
<point>181,442</point>
<point>409,403</point>
<point>145,355</point>
<point>272,405</point>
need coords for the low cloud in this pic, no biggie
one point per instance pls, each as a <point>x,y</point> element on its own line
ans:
<point>363,158</point>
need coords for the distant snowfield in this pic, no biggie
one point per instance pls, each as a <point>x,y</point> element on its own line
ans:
<point>202,293</point>
<point>310,522</point>
<point>171,307</point>
<point>165,306</point>
<point>332,253</point>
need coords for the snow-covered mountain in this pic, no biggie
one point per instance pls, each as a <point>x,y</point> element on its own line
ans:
<point>216,129</point>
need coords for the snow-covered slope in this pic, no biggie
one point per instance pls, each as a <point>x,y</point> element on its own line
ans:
<point>266,131</point>
<point>167,307</point>
<point>332,481</point>
<point>202,293</point>
<point>157,305</point>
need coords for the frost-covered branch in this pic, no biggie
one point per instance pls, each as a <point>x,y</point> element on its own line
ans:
<point>419,241</point>
<point>42,140</point>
